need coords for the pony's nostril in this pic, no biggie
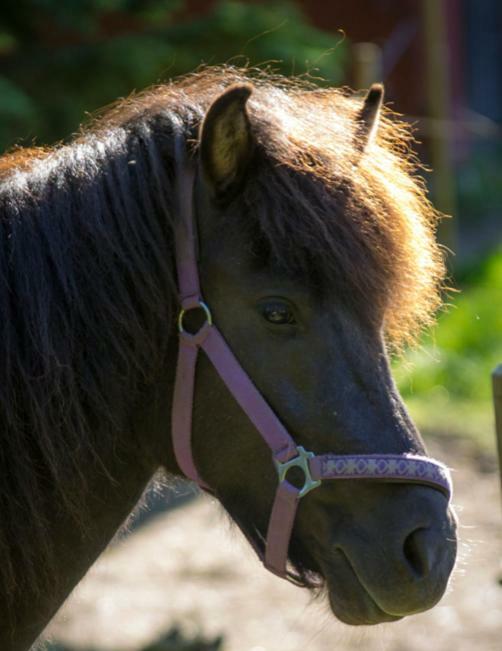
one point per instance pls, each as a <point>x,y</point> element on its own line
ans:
<point>417,552</point>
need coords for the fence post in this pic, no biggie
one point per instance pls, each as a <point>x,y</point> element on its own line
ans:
<point>437,89</point>
<point>497,404</point>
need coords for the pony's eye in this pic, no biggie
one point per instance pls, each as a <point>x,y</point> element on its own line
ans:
<point>278,313</point>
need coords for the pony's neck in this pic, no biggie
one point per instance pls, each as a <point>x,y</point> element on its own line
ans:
<point>108,503</point>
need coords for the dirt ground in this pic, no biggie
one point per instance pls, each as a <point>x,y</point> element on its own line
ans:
<point>189,568</point>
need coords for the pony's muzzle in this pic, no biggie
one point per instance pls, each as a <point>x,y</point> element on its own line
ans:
<point>395,560</point>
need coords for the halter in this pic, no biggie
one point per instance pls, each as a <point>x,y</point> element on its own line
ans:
<point>286,454</point>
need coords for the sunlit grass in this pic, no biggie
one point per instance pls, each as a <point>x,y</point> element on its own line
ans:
<point>446,382</point>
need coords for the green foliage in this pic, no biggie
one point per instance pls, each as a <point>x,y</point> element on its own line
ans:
<point>479,182</point>
<point>447,379</point>
<point>64,59</point>
<point>274,31</point>
<point>15,105</point>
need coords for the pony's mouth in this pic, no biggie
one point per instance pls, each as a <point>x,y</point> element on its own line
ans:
<point>350,600</point>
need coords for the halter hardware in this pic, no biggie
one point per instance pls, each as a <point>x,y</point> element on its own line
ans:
<point>300,461</point>
<point>200,305</point>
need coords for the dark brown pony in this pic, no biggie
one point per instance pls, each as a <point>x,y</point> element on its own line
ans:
<point>317,254</point>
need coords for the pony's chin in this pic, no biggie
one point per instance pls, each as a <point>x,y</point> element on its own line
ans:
<point>360,609</point>
<point>361,612</point>
<point>350,601</point>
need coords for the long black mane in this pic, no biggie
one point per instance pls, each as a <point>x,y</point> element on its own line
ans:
<point>86,293</point>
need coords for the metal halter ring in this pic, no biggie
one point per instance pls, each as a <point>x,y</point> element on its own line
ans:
<point>202,306</point>
<point>300,461</point>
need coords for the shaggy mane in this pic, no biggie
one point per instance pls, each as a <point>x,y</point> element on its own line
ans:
<point>87,279</point>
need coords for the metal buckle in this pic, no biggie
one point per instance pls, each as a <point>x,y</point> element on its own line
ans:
<point>202,306</point>
<point>300,461</point>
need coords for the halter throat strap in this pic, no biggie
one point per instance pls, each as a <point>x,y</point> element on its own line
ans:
<point>284,452</point>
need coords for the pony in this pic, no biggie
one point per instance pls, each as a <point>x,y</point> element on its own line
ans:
<point>316,251</point>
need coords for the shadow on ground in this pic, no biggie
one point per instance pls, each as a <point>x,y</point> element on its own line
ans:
<point>173,640</point>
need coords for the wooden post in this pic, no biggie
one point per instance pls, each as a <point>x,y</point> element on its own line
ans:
<point>497,404</point>
<point>438,95</point>
<point>367,64</point>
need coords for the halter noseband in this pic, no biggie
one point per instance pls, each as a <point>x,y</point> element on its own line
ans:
<point>285,453</point>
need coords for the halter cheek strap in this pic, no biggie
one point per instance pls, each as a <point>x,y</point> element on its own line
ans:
<point>285,453</point>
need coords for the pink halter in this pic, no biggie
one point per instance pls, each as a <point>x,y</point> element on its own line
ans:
<point>285,453</point>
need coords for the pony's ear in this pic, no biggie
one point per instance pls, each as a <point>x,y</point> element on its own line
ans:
<point>368,116</point>
<point>226,142</point>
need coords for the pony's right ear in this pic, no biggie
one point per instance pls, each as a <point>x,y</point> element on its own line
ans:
<point>226,142</point>
<point>369,117</point>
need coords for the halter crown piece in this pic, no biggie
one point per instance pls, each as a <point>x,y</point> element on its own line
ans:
<point>285,453</point>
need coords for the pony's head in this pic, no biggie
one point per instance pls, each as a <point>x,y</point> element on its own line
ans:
<point>316,252</point>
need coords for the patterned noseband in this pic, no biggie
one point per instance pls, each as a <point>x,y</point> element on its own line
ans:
<point>285,453</point>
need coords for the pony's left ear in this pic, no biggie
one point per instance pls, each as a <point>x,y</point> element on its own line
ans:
<point>226,142</point>
<point>369,116</point>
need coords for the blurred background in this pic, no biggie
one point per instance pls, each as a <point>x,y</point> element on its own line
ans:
<point>441,62</point>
